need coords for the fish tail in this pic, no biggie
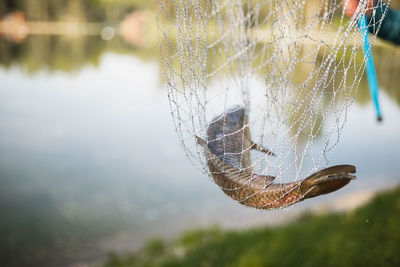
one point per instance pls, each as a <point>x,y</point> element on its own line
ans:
<point>328,180</point>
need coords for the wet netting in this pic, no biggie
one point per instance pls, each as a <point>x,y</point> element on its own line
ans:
<point>261,87</point>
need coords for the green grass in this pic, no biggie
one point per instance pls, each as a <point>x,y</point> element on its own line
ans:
<point>368,236</point>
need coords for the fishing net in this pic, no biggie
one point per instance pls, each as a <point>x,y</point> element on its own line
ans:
<point>294,66</point>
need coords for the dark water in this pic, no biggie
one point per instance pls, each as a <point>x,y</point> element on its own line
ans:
<point>90,163</point>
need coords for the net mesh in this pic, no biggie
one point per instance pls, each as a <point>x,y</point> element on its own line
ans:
<point>293,66</point>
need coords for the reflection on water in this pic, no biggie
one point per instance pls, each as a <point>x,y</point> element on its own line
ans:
<point>63,53</point>
<point>89,161</point>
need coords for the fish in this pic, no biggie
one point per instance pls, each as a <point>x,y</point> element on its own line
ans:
<point>227,152</point>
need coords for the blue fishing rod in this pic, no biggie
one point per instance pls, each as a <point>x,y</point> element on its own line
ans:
<point>371,72</point>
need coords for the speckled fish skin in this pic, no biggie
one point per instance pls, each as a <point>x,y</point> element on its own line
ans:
<point>228,158</point>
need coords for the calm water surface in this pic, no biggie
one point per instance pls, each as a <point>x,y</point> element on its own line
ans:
<point>90,163</point>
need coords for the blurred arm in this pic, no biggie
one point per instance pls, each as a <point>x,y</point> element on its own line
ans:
<point>390,25</point>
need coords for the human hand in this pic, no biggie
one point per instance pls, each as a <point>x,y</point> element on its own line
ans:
<point>352,5</point>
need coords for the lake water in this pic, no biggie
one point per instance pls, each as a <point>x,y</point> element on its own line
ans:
<point>90,162</point>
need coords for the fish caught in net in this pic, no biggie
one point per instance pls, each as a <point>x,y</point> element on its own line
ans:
<point>285,71</point>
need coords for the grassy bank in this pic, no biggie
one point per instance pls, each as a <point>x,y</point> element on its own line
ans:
<point>368,236</point>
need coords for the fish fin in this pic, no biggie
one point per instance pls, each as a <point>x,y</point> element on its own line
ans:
<point>269,180</point>
<point>260,148</point>
<point>328,180</point>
